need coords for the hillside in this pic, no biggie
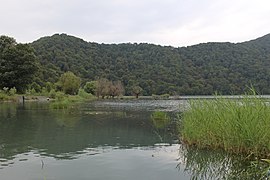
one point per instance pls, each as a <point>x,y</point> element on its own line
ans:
<point>195,70</point>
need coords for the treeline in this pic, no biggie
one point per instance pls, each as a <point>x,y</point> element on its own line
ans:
<point>202,69</point>
<point>21,72</point>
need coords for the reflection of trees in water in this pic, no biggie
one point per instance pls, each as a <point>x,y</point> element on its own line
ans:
<point>163,125</point>
<point>65,134</point>
<point>209,164</point>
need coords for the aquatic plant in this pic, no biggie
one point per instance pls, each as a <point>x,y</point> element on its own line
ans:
<point>63,101</point>
<point>240,126</point>
<point>160,119</point>
<point>63,104</point>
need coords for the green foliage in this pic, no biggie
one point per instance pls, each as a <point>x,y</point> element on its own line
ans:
<point>4,97</point>
<point>90,87</point>
<point>70,83</point>
<point>137,90</point>
<point>35,87</point>
<point>84,94</point>
<point>162,96</point>
<point>49,86</point>
<point>52,94</point>
<point>8,94</point>
<point>160,119</point>
<point>12,91</point>
<point>18,64</point>
<point>64,101</point>
<point>64,104</point>
<point>238,126</point>
<point>195,70</point>
<point>5,90</point>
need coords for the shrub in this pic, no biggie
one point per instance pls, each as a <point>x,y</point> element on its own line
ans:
<point>90,87</point>
<point>84,94</point>
<point>12,91</point>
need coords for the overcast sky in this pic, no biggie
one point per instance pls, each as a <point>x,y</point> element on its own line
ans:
<point>165,22</point>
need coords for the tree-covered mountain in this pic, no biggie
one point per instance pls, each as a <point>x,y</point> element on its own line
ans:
<point>227,68</point>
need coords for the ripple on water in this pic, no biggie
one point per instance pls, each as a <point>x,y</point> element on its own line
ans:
<point>148,105</point>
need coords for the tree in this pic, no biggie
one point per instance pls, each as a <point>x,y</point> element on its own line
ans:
<point>70,83</point>
<point>90,87</point>
<point>18,64</point>
<point>102,87</point>
<point>137,90</point>
<point>6,42</point>
<point>116,89</point>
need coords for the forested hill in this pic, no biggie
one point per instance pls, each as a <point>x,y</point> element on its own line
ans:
<point>207,68</point>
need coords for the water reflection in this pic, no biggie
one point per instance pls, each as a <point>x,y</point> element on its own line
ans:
<point>207,164</point>
<point>107,137</point>
<point>69,133</point>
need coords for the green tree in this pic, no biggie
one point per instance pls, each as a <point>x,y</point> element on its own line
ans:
<point>90,87</point>
<point>18,64</point>
<point>49,86</point>
<point>36,87</point>
<point>137,91</point>
<point>70,83</point>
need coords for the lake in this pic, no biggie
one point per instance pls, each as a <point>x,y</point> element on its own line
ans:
<point>110,139</point>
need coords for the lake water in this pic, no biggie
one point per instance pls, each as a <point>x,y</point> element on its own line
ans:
<point>114,140</point>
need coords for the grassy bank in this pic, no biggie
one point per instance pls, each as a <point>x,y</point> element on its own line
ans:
<point>239,126</point>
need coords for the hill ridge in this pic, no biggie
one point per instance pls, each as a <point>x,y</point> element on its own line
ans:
<point>198,69</point>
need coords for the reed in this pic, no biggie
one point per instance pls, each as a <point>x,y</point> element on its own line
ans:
<point>240,126</point>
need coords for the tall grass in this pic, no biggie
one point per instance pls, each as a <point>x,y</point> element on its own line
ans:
<point>238,126</point>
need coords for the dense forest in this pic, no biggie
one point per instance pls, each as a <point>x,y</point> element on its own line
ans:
<point>203,69</point>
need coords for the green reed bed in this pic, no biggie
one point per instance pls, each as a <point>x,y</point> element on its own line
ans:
<point>239,126</point>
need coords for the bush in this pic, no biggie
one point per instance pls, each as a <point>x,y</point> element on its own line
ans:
<point>90,87</point>
<point>84,94</point>
<point>52,94</point>
<point>3,96</point>
<point>35,88</point>
<point>12,91</point>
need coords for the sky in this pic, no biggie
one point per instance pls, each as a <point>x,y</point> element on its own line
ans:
<point>164,22</point>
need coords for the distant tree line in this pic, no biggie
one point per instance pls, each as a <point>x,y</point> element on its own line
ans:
<point>141,69</point>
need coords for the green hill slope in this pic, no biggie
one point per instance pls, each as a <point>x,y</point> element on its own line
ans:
<point>195,70</point>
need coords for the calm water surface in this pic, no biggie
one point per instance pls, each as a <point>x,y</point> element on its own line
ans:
<point>100,140</point>
<point>114,140</point>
